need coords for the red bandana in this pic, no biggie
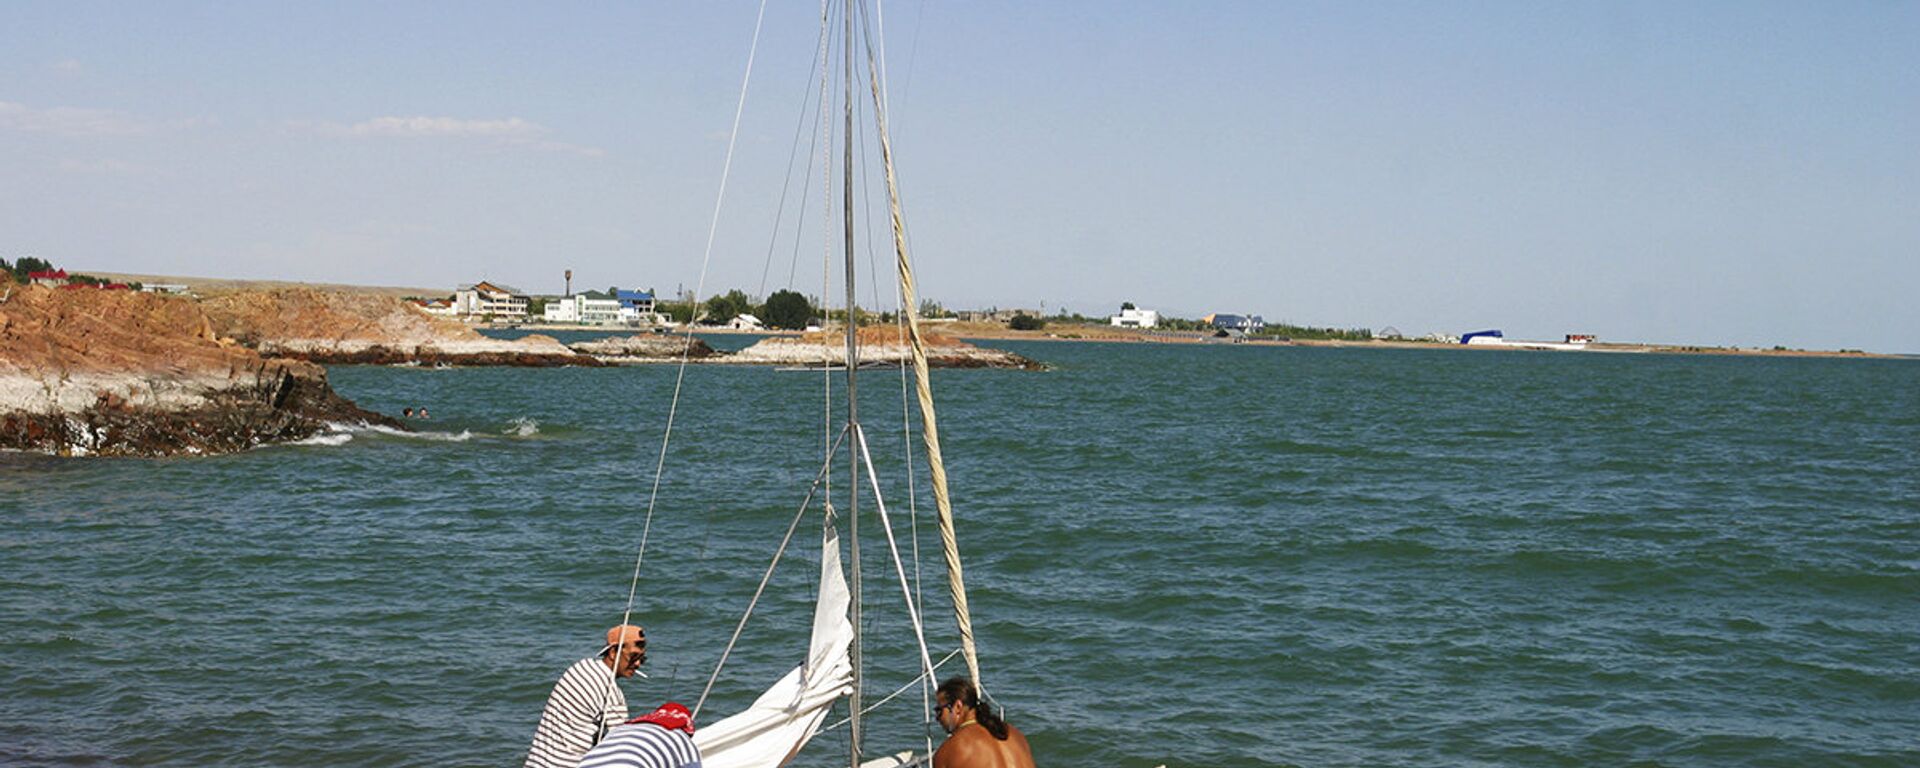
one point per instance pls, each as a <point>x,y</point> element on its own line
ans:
<point>670,716</point>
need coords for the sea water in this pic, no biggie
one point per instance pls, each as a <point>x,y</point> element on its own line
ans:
<point>1221,555</point>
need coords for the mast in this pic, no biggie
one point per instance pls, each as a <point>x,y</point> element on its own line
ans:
<point>853,392</point>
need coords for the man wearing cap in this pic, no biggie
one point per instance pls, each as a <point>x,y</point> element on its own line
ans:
<point>662,738</point>
<point>587,701</point>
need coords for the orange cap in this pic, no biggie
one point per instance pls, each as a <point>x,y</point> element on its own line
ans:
<point>625,633</point>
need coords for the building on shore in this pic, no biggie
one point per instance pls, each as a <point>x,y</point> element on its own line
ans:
<point>1490,337</point>
<point>635,302</point>
<point>993,315</point>
<point>1135,318</point>
<point>51,278</point>
<point>171,288</point>
<point>487,299</point>
<point>1241,323</point>
<point>590,308</point>
<point>435,307</point>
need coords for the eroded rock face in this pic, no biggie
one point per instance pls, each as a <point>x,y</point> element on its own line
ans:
<point>128,374</point>
<point>877,346</point>
<point>645,347</point>
<point>345,328</point>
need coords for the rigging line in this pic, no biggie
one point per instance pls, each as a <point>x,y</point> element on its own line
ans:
<point>826,230</point>
<point>786,180</point>
<point>917,680</point>
<point>899,568</point>
<point>764,579</point>
<point>913,55</point>
<point>800,225</point>
<point>916,599</point>
<point>930,429</point>
<point>866,205</point>
<point>713,226</point>
<point>693,594</point>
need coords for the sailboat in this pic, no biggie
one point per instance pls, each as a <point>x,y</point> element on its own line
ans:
<point>781,721</point>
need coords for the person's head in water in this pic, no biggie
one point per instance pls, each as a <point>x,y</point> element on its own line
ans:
<point>407,412</point>
<point>957,702</point>
<point>626,649</point>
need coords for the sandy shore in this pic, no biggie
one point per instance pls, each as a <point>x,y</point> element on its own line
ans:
<point>1100,333</point>
<point>205,286</point>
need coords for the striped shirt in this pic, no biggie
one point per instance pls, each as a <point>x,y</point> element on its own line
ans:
<point>643,745</point>
<point>568,727</point>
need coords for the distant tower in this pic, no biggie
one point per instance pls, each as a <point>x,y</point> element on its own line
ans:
<point>569,283</point>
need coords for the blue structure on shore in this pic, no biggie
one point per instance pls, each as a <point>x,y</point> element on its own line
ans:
<point>636,300</point>
<point>1492,335</point>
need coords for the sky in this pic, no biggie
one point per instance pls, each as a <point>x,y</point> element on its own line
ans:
<point>1742,173</point>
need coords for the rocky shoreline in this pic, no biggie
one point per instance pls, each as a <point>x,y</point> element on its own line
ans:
<point>117,373</point>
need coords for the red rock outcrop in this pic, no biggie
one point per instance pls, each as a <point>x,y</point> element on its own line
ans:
<point>131,374</point>
<point>359,328</point>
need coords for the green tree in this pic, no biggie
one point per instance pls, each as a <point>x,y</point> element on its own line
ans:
<point>1025,322</point>
<point>787,309</point>
<point>1126,305</point>
<point>723,307</point>
<point>931,309</point>
<point>677,311</point>
<point>27,265</point>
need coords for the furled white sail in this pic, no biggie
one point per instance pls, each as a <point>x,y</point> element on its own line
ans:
<point>778,723</point>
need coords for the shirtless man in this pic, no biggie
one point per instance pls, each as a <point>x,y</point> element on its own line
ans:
<point>976,737</point>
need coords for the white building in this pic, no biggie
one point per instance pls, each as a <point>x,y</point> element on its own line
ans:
<point>746,322</point>
<point>598,311</point>
<point>584,308</point>
<point>484,299</point>
<point>561,311</point>
<point>1135,318</point>
<point>436,307</point>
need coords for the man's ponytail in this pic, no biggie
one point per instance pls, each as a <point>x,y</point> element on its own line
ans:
<point>960,690</point>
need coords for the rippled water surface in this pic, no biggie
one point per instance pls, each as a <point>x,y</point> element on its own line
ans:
<point>1200,556</point>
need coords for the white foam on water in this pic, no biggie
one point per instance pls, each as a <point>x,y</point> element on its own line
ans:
<point>327,438</point>
<point>522,427</point>
<point>442,437</point>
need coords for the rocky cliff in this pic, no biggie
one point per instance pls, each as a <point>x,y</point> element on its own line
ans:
<point>337,327</point>
<point>118,373</point>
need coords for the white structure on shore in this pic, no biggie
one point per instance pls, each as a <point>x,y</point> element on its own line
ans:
<point>485,299</point>
<point>1135,318</point>
<point>588,308</point>
<point>746,322</point>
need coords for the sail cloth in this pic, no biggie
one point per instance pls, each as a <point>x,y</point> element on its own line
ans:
<point>778,723</point>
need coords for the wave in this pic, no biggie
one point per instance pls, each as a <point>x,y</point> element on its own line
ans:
<point>524,426</point>
<point>326,438</point>
<point>348,430</point>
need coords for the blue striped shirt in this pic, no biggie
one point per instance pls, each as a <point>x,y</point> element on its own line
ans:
<point>643,745</point>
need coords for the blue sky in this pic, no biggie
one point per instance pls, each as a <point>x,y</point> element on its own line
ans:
<point>1737,173</point>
